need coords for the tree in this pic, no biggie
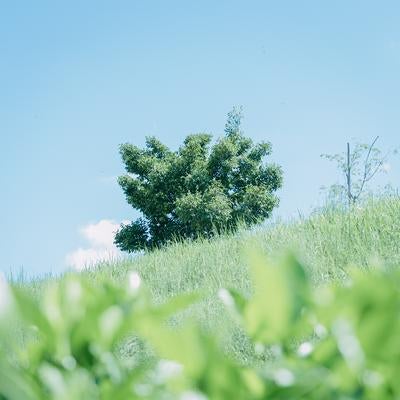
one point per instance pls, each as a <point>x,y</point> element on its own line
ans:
<point>198,190</point>
<point>358,167</point>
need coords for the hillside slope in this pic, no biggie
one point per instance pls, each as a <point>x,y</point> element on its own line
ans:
<point>328,242</point>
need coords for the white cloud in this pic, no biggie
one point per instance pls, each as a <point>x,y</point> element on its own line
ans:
<point>100,237</point>
<point>100,234</point>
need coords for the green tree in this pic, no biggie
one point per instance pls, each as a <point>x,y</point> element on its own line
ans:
<point>198,190</point>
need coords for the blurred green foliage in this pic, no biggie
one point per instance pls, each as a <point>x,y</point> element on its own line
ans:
<point>327,342</point>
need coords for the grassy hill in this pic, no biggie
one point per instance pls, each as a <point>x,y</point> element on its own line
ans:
<point>327,242</point>
<point>82,315</point>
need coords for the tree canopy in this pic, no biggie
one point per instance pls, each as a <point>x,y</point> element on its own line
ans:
<point>197,190</point>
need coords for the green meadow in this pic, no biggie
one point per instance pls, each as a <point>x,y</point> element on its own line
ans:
<point>328,242</point>
<point>300,309</point>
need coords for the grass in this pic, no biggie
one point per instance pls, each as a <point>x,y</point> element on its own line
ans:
<point>328,242</point>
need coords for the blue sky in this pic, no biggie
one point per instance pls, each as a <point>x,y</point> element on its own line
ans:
<point>79,78</point>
